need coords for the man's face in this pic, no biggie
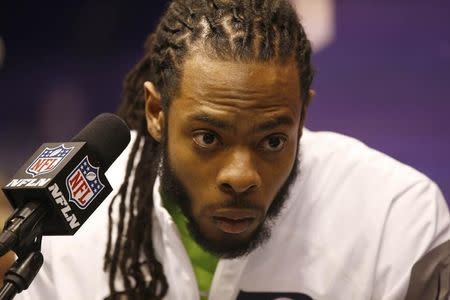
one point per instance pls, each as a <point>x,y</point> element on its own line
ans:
<point>231,145</point>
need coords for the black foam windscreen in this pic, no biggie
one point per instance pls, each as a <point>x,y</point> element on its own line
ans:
<point>106,135</point>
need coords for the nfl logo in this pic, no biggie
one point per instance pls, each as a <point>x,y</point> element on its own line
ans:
<point>48,160</point>
<point>84,184</point>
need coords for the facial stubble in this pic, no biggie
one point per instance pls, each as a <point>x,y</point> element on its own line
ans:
<point>228,246</point>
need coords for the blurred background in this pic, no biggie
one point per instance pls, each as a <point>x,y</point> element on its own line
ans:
<point>383,72</point>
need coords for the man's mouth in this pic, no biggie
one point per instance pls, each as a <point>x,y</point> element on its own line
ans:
<point>234,221</point>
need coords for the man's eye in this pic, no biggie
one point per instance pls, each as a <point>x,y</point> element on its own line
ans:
<point>206,139</point>
<point>274,143</point>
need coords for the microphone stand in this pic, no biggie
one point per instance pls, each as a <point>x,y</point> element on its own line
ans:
<point>27,246</point>
<point>21,274</point>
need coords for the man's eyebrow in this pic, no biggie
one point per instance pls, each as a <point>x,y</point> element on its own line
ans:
<point>274,123</point>
<point>205,118</point>
<point>221,124</point>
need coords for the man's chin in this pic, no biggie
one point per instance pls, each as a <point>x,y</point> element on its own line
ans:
<point>228,245</point>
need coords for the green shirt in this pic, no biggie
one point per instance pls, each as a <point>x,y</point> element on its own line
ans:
<point>203,263</point>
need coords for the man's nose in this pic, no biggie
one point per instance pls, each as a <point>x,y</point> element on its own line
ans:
<point>239,174</point>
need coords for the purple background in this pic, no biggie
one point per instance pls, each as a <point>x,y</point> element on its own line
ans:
<point>385,79</point>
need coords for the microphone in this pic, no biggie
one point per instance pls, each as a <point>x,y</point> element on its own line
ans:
<point>62,184</point>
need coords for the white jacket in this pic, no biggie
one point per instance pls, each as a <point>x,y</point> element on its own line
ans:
<point>354,224</point>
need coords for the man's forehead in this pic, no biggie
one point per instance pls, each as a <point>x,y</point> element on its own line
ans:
<point>241,84</point>
<point>255,74</point>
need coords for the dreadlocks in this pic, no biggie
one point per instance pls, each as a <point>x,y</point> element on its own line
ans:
<point>241,30</point>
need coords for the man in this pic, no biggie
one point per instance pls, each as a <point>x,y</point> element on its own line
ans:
<point>226,195</point>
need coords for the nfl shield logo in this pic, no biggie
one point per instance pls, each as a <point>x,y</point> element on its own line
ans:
<point>84,184</point>
<point>48,160</point>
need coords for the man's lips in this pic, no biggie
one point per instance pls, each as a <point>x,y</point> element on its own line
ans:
<point>235,213</point>
<point>234,220</point>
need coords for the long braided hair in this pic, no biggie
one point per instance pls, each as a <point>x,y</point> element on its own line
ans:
<point>242,30</point>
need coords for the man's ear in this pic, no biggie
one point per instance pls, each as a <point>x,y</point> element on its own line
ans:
<point>305,106</point>
<point>154,114</point>
<point>311,95</point>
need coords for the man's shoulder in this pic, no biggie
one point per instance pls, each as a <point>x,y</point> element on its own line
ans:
<point>332,154</point>
<point>341,178</point>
